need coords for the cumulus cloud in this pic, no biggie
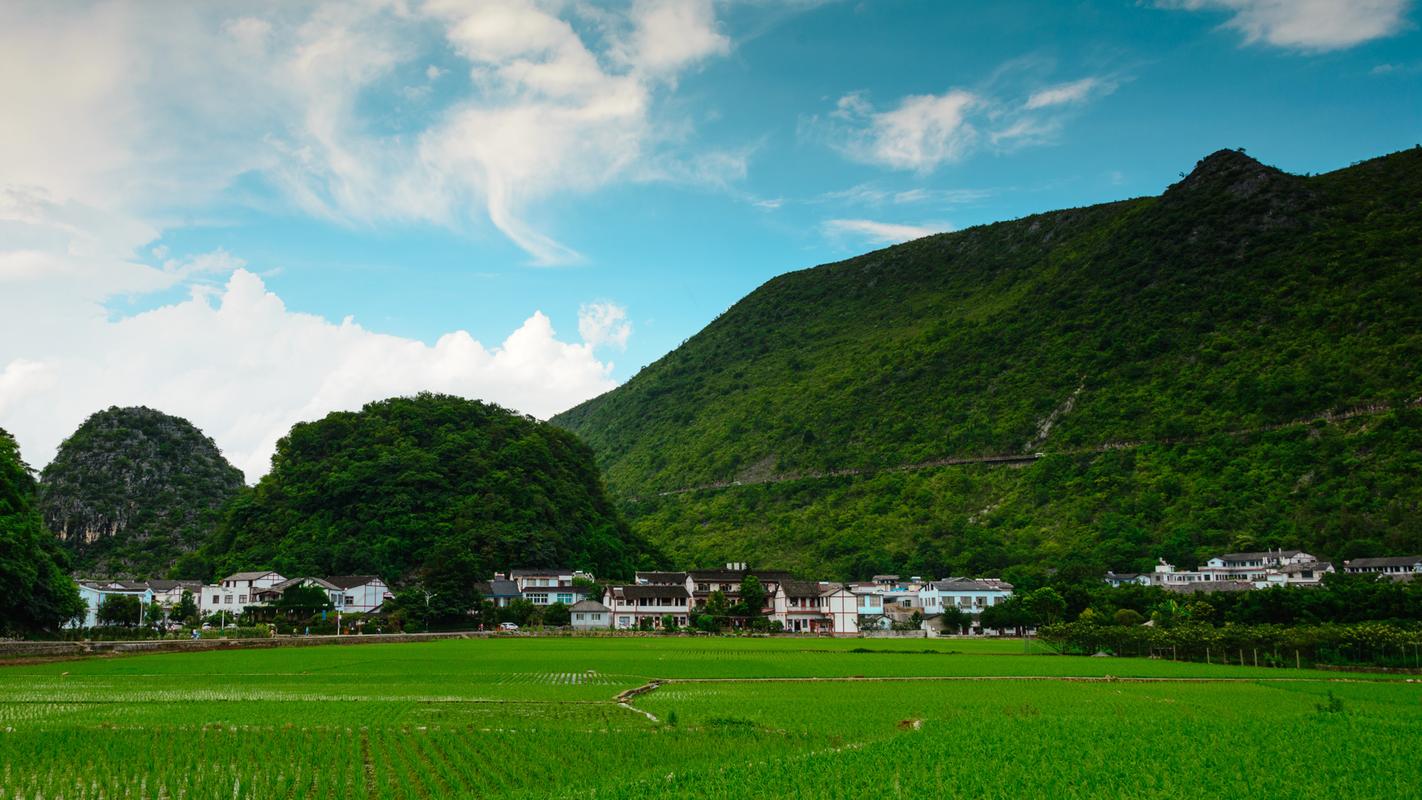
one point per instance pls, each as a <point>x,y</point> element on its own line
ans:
<point>877,233</point>
<point>243,367</point>
<point>604,324</point>
<point>1306,24</point>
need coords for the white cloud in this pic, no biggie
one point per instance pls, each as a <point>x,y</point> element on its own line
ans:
<point>1073,92</point>
<point>872,232</point>
<point>604,324</point>
<point>669,35</point>
<point>925,132</point>
<point>244,368</point>
<point>1306,24</point>
<point>176,102</point>
<point>921,133</point>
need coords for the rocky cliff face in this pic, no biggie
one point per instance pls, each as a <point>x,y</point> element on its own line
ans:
<point>133,489</point>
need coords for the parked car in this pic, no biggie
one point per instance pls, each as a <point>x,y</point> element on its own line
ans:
<point>508,626</point>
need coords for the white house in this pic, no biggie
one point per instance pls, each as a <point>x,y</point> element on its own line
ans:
<point>544,587</point>
<point>94,593</point>
<point>237,591</point>
<point>1393,565</point>
<point>704,582</point>
<point>969,596</point>
<point>629,605</point>
<point>590,615</point>
<point>358,594</point>
<point>815,607</point>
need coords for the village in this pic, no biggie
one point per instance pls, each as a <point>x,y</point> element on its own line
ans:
<point>767,600</point>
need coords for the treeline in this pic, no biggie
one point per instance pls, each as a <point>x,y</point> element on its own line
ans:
<point>1379,643</point>
<point>37,591</point>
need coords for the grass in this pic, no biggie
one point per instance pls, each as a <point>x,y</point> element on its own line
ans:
<point>525,718</point>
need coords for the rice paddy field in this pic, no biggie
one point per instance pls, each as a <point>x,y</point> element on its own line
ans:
<point>697,718</point>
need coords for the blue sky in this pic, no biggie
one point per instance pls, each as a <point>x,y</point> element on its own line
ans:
<point>254,214</point>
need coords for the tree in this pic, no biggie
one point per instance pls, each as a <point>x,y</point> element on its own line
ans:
<point>1045,606</point>
<point>1129,616</point>
<point>120,609</point>
<point>187,609</point>
<point>953,620</point>
<point>557,615</point>
<point>668,623</point>
<point>303,601</point>
<point>38,595</point>
<point>752,596</point>
<point>153,614</point>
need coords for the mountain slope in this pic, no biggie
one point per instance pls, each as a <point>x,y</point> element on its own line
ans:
<point>412,486</point>
<point>1241,298</point>
<point>132,490</point>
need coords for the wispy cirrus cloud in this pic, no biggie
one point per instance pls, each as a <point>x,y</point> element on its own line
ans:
<point>922,133</point>
<point>1317,25</point>
<point>874,232</point>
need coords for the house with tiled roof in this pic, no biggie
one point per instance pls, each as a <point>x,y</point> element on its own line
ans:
<point>630,605</point>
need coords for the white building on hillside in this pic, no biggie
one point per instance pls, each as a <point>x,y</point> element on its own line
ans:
<point>629,605</point>
<point>1392,565</point>
<point>94,593</point>
<point>237,591</point>
<point>815,607</point>
<point>970,596</point>
<point>359,594</point>
<point>544,587</point>
<point>590,615</point>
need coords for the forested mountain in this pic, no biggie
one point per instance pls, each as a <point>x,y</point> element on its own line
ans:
<point>432,488</point>
<point>133,490</point>
<point>1158,352</point>
<point>38,593</point>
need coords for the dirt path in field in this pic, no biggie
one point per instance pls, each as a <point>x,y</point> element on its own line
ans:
<point>625,698</point>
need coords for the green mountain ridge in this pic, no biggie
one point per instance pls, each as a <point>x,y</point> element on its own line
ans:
<point>1241,298</point>
<point>133,490</point>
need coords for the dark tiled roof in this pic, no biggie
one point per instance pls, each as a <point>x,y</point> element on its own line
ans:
<point>729,575</point>
<point>662,578</point>
<point>801,588</point>
<point>1389,561</point>
<point>351,581</point>
<point>249,576</point>
<point>971,586</point>
<point>552,572</point>
<point>638,592</point>
<point>503,588</point>
<point>590,605</point>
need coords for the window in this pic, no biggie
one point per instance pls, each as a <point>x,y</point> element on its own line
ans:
<point>215,600</point>
<point>242,598</point>
<point>227,599</point>
<point>350,599</point>
<point>565,599</point>
<point>578,616</point>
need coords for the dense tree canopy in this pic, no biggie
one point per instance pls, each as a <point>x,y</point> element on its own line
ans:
<point>432,489</point>
<point>1166,354</point>
<point>38,594</point>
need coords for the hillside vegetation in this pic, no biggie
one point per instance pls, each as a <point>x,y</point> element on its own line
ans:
<point>1241,299</point>
<point>38,594</point>
<point>133,490</point>
<point>430,488</point>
